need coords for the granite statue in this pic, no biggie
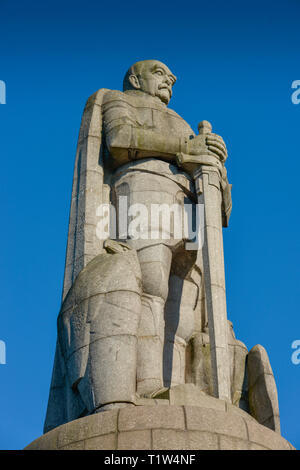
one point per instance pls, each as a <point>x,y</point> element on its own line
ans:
<point>143,315</point>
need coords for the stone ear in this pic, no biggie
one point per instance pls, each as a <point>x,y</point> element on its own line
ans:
<point>134,81</point>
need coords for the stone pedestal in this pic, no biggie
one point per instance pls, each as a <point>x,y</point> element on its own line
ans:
<point>159,424</point>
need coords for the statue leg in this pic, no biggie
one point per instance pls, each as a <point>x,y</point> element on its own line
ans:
<point>180,324</point>
<point>155,264</point>
<point>155,257</point>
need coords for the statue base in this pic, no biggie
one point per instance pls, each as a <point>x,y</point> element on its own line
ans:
<point>159,424</point>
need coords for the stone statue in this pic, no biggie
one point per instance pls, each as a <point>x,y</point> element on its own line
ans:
<point>142,317</point>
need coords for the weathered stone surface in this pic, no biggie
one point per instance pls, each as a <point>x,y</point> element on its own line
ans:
<point>163,427</point>
<point>170,439</point>
<point>263,400</point>
<point>80,445</point>
<point>235,410</point>
<point>46,442</point>
<point>147,418</point>
<point>206,419</point>
<point>190,394</point>
<point>202,440</point>
<point>233,443</point>
<point>257,447</point>
<point>103,442</point>
<point>265,437</point>
<point>135,440</point>
<point>101,423</point>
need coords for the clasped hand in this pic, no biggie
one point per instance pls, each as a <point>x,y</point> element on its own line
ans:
<point>211,144</point>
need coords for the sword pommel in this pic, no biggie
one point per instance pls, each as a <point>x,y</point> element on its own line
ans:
<point>204,127</point>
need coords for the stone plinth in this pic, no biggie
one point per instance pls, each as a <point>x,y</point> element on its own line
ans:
<point>212,425</point>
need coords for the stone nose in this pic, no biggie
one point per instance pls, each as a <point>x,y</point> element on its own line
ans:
<point>167,80</point>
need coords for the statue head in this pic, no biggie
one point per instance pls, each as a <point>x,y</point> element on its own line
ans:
<point>152,77</point>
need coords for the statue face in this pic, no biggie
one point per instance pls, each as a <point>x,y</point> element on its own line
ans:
<point>154,78</point>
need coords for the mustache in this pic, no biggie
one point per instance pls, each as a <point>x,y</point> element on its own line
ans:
<point>166,87</point>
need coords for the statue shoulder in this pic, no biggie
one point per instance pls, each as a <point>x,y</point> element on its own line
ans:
<point>97,97</point>
<point>104,96</point>
<point>114,96</point>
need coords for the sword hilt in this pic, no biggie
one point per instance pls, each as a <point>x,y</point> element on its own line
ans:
<point>191,163</point>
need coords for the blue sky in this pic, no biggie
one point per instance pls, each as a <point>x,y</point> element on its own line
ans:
<point>235,63</point>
